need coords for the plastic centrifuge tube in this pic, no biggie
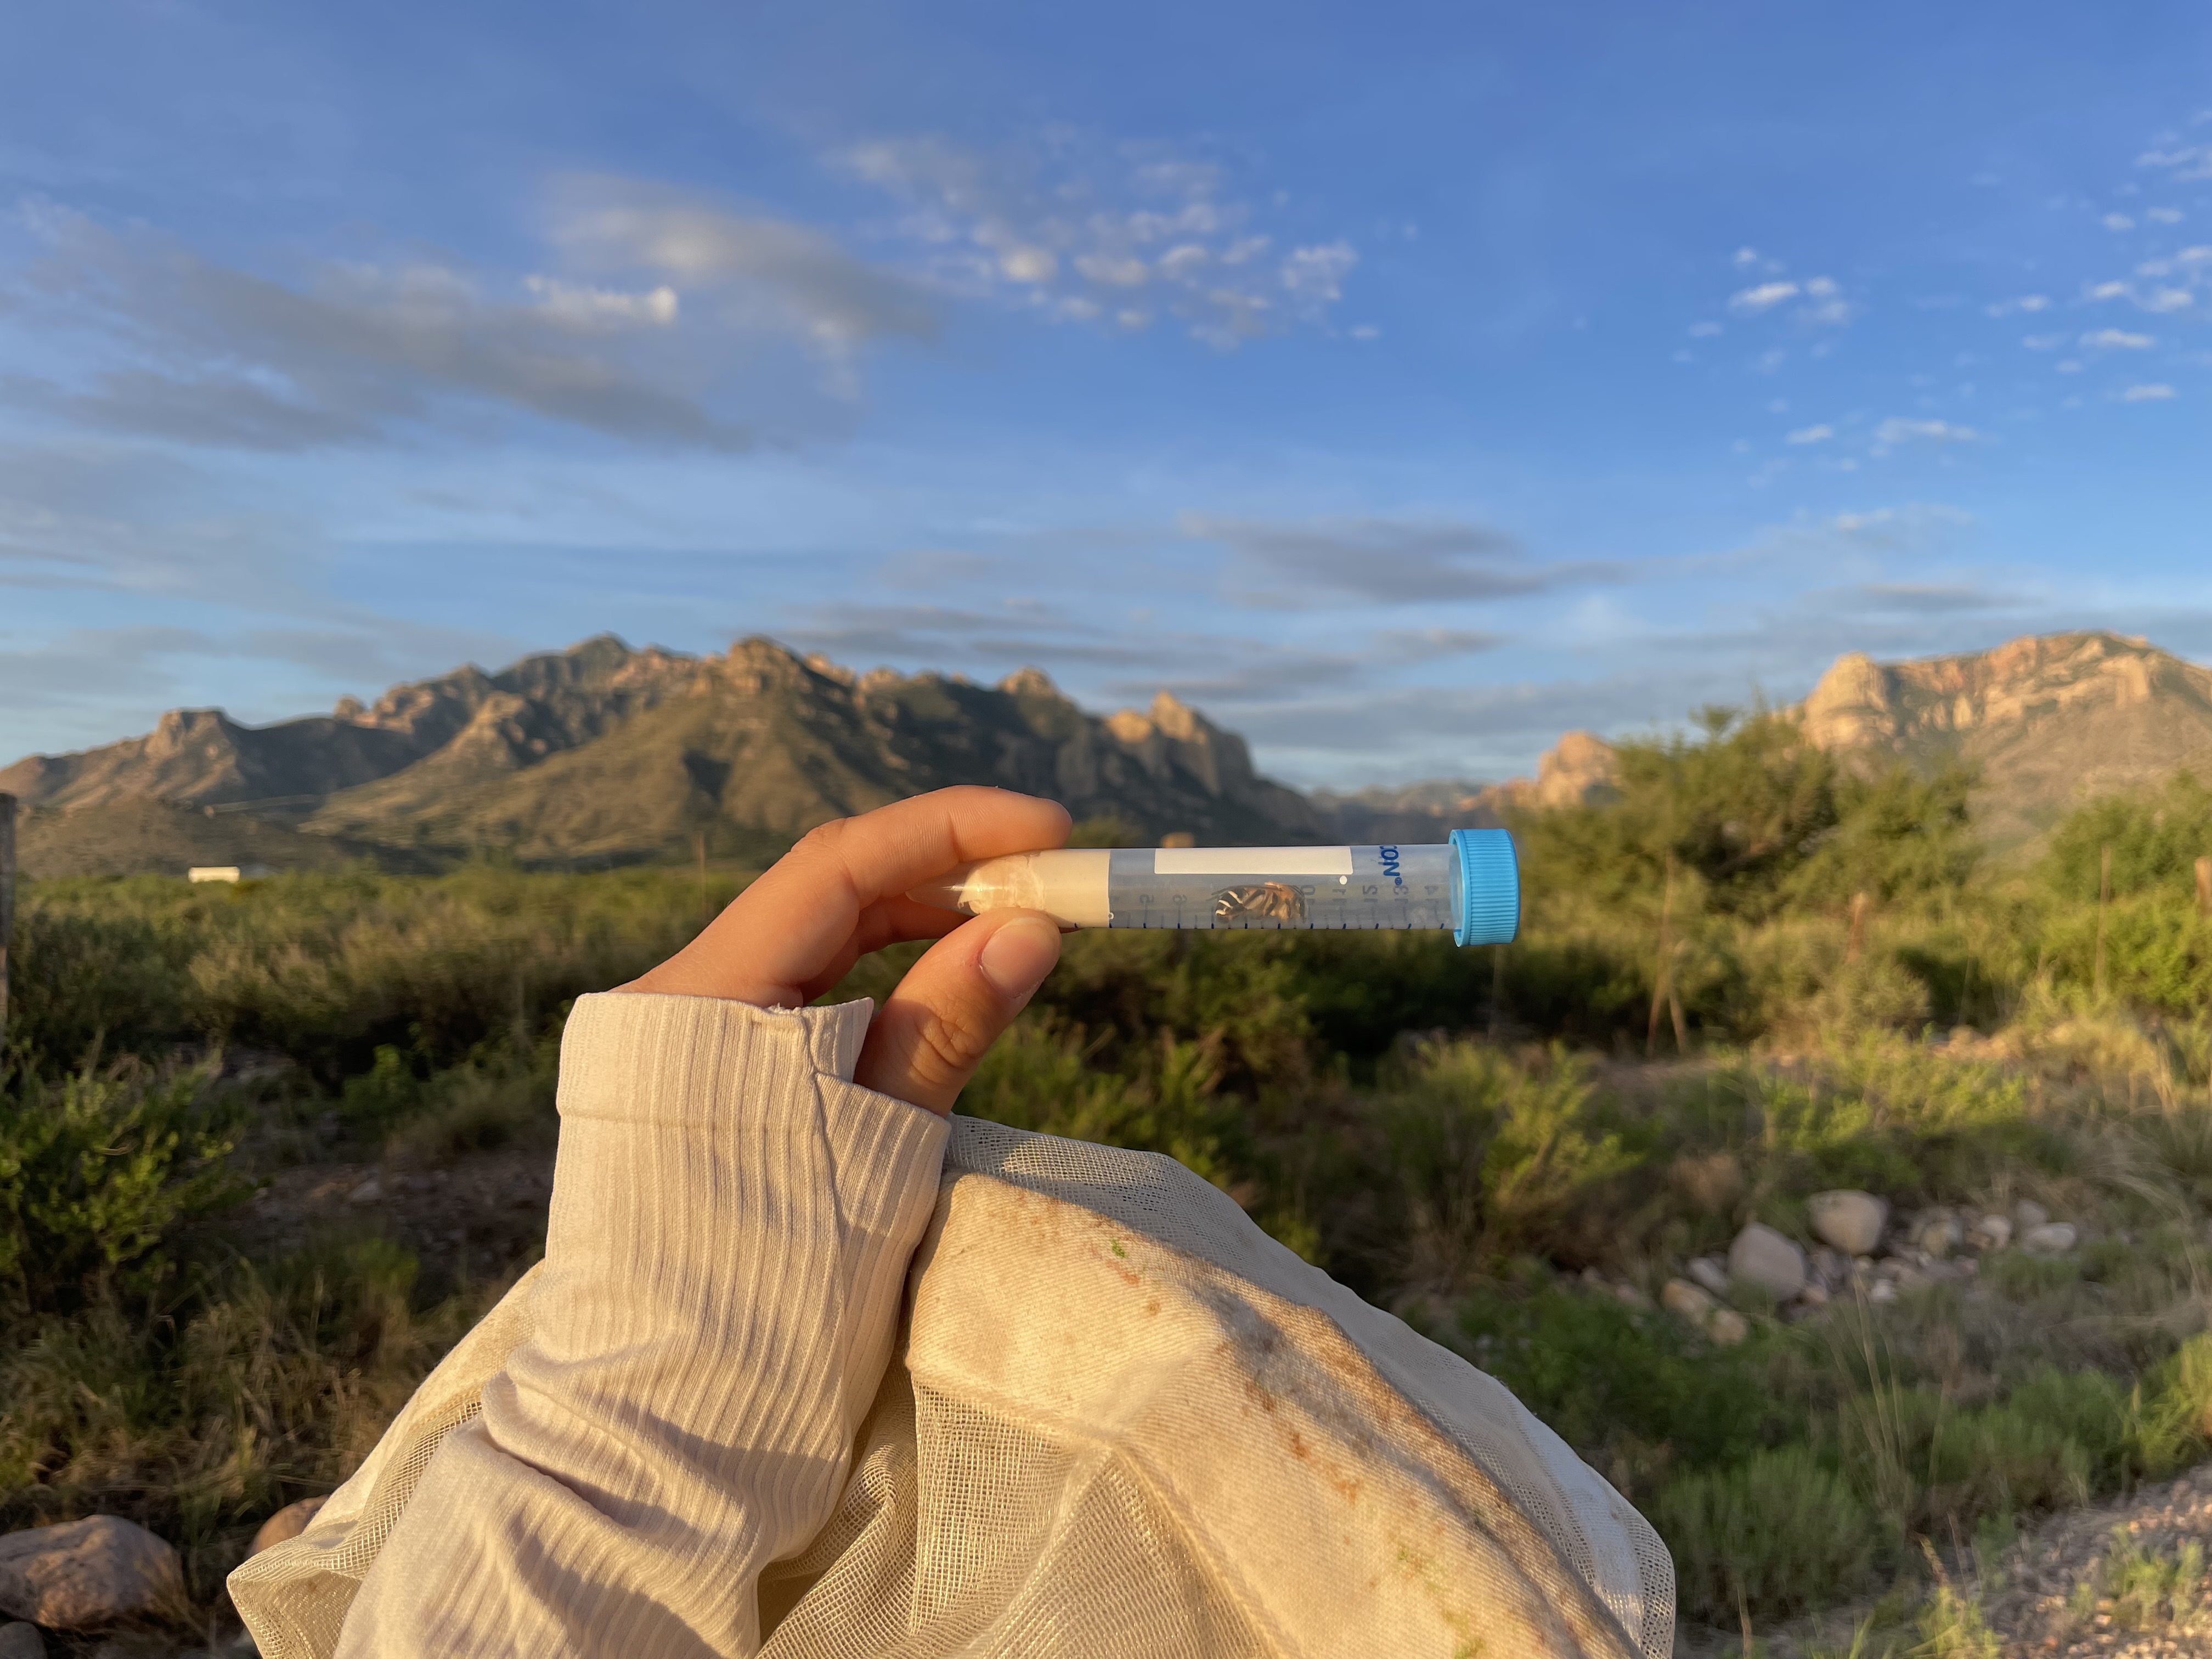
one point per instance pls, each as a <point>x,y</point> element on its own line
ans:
<point>1471,885</point>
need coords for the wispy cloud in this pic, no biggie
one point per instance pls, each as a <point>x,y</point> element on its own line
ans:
<point>1120,237</point>
<point>2185,162</point>
<point>2150,393</point>
<point>1903,430</point>
<point>1811,434</point>
<point>2116,339</point>
<point>754,271</point>
<point>1385,561</point>
<point>1750,301</point>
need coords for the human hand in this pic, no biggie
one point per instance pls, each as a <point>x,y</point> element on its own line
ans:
<point>842,893</point>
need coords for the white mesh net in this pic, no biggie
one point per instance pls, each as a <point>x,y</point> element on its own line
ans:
<point>1127,1423</point>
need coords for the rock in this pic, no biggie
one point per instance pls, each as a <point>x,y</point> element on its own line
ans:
<point>84,1574</point>
<point>1830,1270</point>
<point>1763,1257</point>
<point>1726,1328</point>
<point>2049,1238</point>
<point>1629,1297</point>
<point>1711,1273</point>
<point>1813,1296</point>
<point>1938,1235</point>
<point>1849,1219</point>
<point>287,1522</point>
<point>21,1642</point>
<point>1882,1290</point>
<point>1991,1232</point>
<point>2029,1214</point>
<point>1683,1298</point>
<point>369,1192</point>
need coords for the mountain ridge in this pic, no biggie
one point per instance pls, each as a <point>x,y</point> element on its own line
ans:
<point>603,753</point>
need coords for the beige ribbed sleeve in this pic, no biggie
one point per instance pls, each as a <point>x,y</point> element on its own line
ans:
<point>731,1223</point>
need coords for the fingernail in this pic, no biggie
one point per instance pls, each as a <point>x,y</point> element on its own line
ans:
<point>1017,957</point>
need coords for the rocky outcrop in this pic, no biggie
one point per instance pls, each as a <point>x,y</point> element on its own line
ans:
<point>2047,722</point>
<point>1580,770</point>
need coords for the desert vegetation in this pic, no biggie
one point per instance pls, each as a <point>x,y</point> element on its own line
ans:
<point>1755,975</point>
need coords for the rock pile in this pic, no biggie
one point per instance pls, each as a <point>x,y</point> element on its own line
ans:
<point>1865,1251</point>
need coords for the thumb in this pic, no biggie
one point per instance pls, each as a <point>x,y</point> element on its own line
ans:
<point>931,1033</point>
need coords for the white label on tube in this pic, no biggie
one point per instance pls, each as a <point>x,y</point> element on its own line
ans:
<point>1252,861</point>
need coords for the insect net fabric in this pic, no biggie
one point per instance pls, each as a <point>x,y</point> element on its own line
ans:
<point>1125,1422</point>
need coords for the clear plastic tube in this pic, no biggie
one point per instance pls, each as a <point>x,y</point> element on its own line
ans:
<point>1469,885</point>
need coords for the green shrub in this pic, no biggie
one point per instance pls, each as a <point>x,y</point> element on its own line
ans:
<point>1773,1535</point>
<point>99,1171</point>
<point>1488,1155</point>
<point>2174,1426</point>
<point>1953,1627</point>
<point>1636,1392</point>
<point>82,981</point>
<point>1040,1076</point>
<point>2147,1589</point>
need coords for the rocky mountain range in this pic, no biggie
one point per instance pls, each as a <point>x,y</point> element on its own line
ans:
<point>602,754</point>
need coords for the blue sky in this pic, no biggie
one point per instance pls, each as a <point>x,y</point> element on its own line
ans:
<point>1403,387</point>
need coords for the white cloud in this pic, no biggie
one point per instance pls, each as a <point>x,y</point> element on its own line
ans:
<point>2165,300</point>
<point>1822,287</point>
<point>1703,330</point>
<point>2118,222</point>
<point>1811,434</point>
<point>578,306</point>
<point>1764,297</point>
<point>1113,269</point>
<point>2163,216</point>
<point>1314,276</point>
<point>2155,392</point>
<point>765,274</point>
<point>1024,264</point>
<point>2070,366</point>
<point>2044,342</point>
<point>2116,339</point>
<point>1745,258</point>
<point>1900,430</point>
<point>1074,229</point>
<point>222,357</point>
<point>2107,291</point>
<point>2025,302</point>
<point>2188,161</point>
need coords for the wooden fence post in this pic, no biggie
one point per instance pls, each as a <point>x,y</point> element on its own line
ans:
<point>7,906</point>
<point>1860,905</point>
<point>2205,887</point>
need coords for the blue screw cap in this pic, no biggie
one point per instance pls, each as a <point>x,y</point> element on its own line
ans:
<point>1489,887</point>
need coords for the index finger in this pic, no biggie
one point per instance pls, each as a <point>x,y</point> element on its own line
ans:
<point>883,853</point>
<point>777,938</point>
